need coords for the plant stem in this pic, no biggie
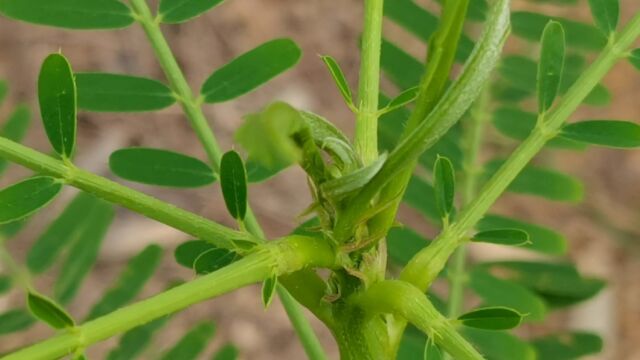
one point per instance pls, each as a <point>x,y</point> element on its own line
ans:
<point>281,257</point>
<point>430,259</point>
<point>193,110</point>
<point>366,138</point>
<point>106,189</point>
<point>408,302</point>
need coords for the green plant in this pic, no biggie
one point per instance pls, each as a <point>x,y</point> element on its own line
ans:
<point>429,136</point>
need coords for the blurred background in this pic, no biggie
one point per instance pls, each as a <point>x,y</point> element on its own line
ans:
<point>603,231</point>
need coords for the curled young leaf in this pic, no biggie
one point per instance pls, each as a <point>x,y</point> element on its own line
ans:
<point>551,65</point>
<point>610,133</point>
<point>57,96</point>
<point>48,311</point>
<point>348,184</point>
<point>492,318</point>
<point>251,70</point>
<point>71,14</point>
<point>160,167</point>
<point>26,197</point>
<point>233,179</point>
<point>104,92</point>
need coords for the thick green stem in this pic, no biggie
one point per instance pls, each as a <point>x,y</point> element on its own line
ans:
<point>106,189</point>
<point>408,302</point>
<point>192,108</point>
<point>366,139</point>
<point>281,257</point>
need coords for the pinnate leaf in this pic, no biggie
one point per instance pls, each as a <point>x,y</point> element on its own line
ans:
<point>57,96</point>
<point>178,11</point>
<point>26,197</point>
<point>250,70</point>
<point>160,167</point>
<point>513,237</point>
<point>492,318</point>
<point>606,14</point>
<point>192,344</point>
<point>444,185</point>
<point>71,14</point>
<point>48,311</point>
<point>104,92</point>
<point>610,133</point>
<point>233,180</point>
<point>339,78</point>
<point>551,65</point>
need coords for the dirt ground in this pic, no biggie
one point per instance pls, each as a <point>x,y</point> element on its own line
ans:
<point>603,231</point>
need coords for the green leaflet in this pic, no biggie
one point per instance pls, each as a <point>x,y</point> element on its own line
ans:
<point>568,345</point>
<point>26,197</point>
<point>352,182</point>
<point>83,254</point>
<point>178,11</point>
<point>227,352</point>
<point>160,167</point>
<point>4,89</point>
<point>403,243</point>
<point>549,184</point>
<point>530,25</point>
<point>513,237</point>
<point>269,290</point>
<point>213,259</point>
<point>606,14</point>
<point>64,230</point>
<point>497,292</point>
<point>559,284</point>
<point>9,230</point>
<point>71,14</point>
<point>135,341</point>
<point>233,180</point>
<point>57,96</point>
<point>551,65</point>
<point>250,70</point>
<point>15,128</point>
<point>138,271</point>
<point>121,93</point>
<point>610,133</point>
<point>267,136</point>
<point>500,345</point>
<point>491,318</point>
<point>5,284</point>
<point>188,252</point>
<point>634,58</point>
<point>48,311</point>
<point>541,239</point>
<point>192,344</point>
<point>15,320</point>
<point>444,186</point>
<point>404,98</point>
<point>257,173</point>
<point>340,79</point>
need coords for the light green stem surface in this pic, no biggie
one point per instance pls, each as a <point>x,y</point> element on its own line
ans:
<point>366,138</point>
<point>408,302</point>
<point>281,257</point>
<point>193,110</point>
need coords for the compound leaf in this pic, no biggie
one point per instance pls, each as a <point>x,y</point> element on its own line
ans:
<point>492,318</point>
<point>138,271</point>
<point>610,133</point>
<point>250,70</point>
<point>339,78</point>
<point>48,311</point>
<point>192,344</point>
<point>26,197</point>
<point>57,96</point>
<point>551,65</point>
<point>104,92</point>
<point>178,11</point>
<point>71,14</point>
<point>444,185</point>
<point>233,180</point>
<point>606,14</point>
<point>160,167</point>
